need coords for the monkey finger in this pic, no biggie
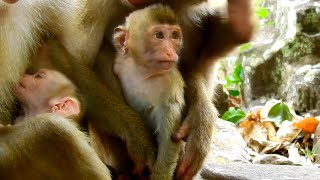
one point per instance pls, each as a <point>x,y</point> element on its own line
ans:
<point>10,1</point>
<point>142,170</point>
<point>184,166</point>
<point>191,162</point>
<point>182,133</point>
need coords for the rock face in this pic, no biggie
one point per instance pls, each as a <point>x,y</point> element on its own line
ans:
<point>284,62</point>
<point>227,145</point>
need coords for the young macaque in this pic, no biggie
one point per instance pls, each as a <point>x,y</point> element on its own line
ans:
<point>56,148</point>
<point>148,45</point>
<point>47,91</point>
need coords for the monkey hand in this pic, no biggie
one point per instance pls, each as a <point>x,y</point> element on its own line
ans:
<point>196,130</point>
<point>142,151</point>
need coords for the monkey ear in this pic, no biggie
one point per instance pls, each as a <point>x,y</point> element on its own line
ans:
<point>120,39</point>
<point>65,107</point>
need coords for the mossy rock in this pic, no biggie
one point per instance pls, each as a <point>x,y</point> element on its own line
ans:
<point>309,21</point>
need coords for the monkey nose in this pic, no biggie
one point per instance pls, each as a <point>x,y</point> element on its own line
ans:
<point>172,56</point>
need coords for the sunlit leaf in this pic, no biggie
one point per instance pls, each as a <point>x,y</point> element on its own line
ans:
<point>262,12</point>
<point>238,72</point>
<point>266,24</point>
<point>245,47</point>
<point>279,113</point>
<point>232,80</point>
<point>234,115</point>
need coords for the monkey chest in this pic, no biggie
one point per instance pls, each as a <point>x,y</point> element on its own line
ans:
<point>142,95</point>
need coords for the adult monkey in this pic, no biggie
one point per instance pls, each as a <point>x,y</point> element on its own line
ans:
<point>26,24</point>
<point>124,123</point>
<point>209,34</point>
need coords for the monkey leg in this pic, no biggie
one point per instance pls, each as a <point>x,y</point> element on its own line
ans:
<point>168,151</point>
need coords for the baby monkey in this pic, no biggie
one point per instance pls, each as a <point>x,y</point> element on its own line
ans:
<point>147,46</point>
<point>47,91</point>
<point>56,148</point>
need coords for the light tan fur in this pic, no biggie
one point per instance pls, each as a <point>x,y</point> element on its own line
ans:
<point>159,98</point>
<point>22,27</point>
<point>48,146</point>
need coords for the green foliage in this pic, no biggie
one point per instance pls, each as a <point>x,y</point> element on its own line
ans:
<point>279,113</point>
<point>236,76</point>
<point>266,24</point>
<point>262,12</point>
<point>310,153</point>
<point>234,93</point>
<point>234,115</point>
<point>245,47</point>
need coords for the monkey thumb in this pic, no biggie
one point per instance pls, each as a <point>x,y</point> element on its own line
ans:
<point>182,133</point>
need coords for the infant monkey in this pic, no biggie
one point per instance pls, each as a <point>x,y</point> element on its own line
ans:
<point>147,46</point>
<point>47,91</point>
<point>56,148</point>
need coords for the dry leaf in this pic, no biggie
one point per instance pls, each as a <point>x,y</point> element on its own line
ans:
<point>253,128</point>
<point>308,124</point>
<point>287,132</point>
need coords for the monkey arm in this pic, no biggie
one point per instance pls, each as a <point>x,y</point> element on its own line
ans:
<point>197,127</point>
<point>115,118</point>
<point>227,31</point>
<point>221,37</point>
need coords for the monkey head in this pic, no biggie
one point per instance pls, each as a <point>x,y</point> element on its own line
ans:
<point>47,91</point>
<point>151,36</point>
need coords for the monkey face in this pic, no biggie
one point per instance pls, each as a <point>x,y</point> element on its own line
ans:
<point>34,89</point>
<point>162,45</point>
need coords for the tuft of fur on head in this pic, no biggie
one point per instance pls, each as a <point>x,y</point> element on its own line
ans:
<point>154,14</point>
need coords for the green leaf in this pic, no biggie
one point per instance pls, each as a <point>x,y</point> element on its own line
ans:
<point>262,12</point>
<point>238,72</point>
<point>234,93</point>
<point>279,113</point>
<point>266,24</point>
<point>233,115</point>
<point>231,80</point>
<point>245,47</point>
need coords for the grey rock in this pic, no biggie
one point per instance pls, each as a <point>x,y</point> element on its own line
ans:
<point>227,145</point>
<point>287,65</point>
<point>302,88</point>
<point>316,145</point>
<point>272,159</point>
<point>260,172</point>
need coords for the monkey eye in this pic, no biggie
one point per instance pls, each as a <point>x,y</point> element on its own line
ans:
<point>159,35</point>
<point>39,75</point>
<point>175,35</point>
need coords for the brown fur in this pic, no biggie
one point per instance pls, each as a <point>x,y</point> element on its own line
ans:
<point>80,26</point>
<point>208,35</point>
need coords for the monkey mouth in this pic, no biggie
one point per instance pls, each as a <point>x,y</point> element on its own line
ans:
<point>21,85</point>
<point>167,65</point>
